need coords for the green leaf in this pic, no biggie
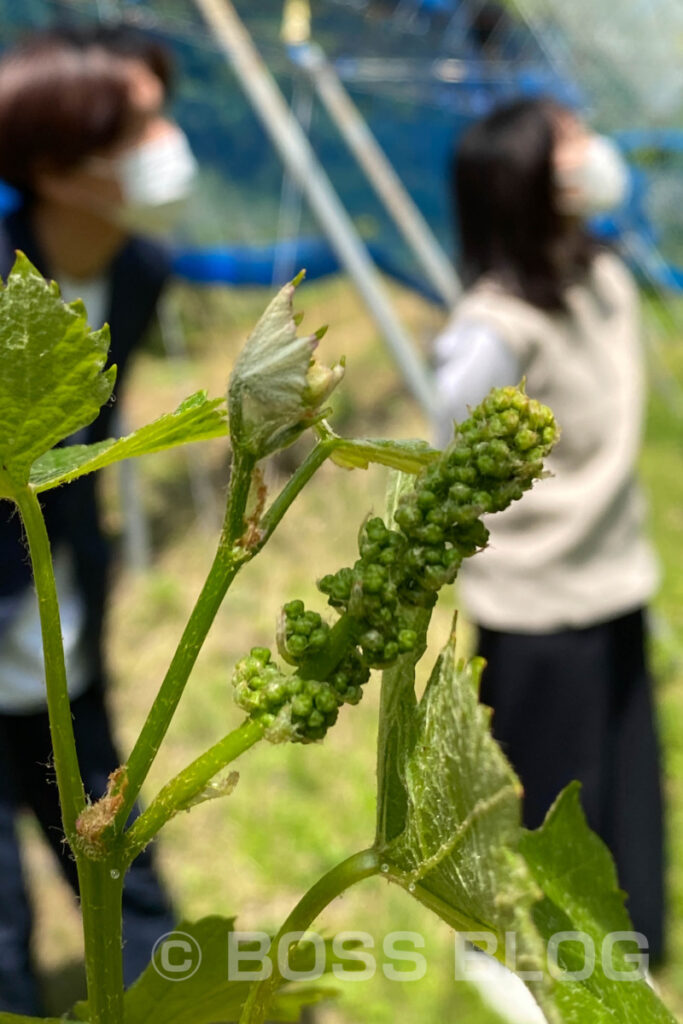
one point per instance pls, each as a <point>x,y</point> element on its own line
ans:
<point>13,1018</point>
<point>460,803</point>
<point>397,726</point>
<point>195,419</point>
<point>410,456</point>
<point>577,875</point>
<point>398,484</point>
<point>449,832</point>
<point>51,370</point>
<point>397,736</point>
<point>207,996</point>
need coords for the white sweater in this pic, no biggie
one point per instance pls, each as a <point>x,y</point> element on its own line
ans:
<point>573,552</point>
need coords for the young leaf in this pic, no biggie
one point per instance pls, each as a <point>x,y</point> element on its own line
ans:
<point>276,388</point>
<point>195,419</point>
<point>409,456</point>
<point>574,869</point>
<point>460,802</point>
<point>52,381</point>
<point>208,995</point>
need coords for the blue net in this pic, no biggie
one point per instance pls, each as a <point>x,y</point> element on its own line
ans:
<point>419,71</point>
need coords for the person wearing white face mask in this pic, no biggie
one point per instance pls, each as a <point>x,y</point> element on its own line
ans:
<point>155,177</point>
<point>559,596</point>
<point>100,168</point>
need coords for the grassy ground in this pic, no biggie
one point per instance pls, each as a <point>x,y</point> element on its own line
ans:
<point>662,466</point>
<point>297,811</point>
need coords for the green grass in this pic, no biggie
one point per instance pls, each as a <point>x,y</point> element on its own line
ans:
<point>662,470</point>
<point>299,810</point>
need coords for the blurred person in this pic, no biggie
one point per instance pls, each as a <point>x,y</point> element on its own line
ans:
<point>560,594</point>
<point>85,140</point>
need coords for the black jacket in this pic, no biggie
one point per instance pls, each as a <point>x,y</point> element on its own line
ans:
<point>137,275</point>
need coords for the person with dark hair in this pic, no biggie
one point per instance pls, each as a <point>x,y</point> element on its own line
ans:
<point>559,596</point>
<point>99,166</point>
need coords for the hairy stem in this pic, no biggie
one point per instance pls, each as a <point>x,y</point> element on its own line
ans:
<point>69,783</point>
<point>238,495</point>
<point>184,788</point>
<point>343,876</point>
<point>101,886</point>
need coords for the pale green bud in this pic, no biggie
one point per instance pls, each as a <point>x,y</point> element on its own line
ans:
<point>276,387</point>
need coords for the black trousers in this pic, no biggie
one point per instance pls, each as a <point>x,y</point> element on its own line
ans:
<point>577,704</point>
<point>26,779</point>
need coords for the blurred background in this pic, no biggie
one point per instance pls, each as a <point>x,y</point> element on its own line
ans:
<point>417,72</point>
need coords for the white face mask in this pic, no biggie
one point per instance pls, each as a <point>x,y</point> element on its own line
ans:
<point>156,178</point>
<point>598,183</point>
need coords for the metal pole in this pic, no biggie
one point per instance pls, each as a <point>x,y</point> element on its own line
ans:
<point>296,152</point>
<point>378,169</point>
<point>291,196</point>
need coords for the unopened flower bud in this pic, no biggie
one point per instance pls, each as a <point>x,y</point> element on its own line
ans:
<point>276,388</point>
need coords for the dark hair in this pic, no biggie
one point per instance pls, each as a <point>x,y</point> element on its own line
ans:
<point>64,95</point>
<point>505,202</point>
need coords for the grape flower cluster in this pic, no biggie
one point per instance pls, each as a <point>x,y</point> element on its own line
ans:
<point>494,457</point>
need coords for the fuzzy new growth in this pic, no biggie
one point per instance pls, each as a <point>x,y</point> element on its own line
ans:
<point>277,388</point>
<point>96,817</point>
<point>494,457</point>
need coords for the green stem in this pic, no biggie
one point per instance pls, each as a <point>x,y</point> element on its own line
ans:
<point>100,881</point>
<point>238,494</point>
<point>179,793</point>
<point>223,571</point>
<point>228,561</point>
<point>326,889</point>
<point>293,488</point>
<point>69,783</point>
<point>341,636</point>
<point>101,886</point>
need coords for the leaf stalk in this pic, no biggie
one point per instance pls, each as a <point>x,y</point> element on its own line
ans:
<point>179,793</point>
<point>340,878</point>
<point>69,782</point>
